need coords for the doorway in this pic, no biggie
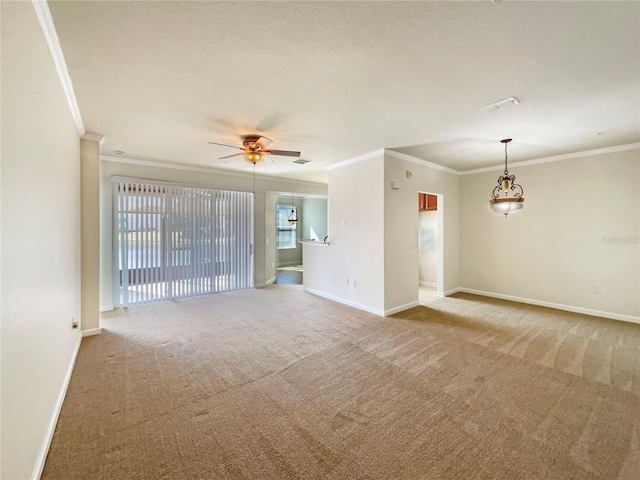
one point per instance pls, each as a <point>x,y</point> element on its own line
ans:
<point>284,263</point>
<point>288,248</point>
<point>430,246</point>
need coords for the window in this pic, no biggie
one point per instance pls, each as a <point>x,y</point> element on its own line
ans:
<point>286,231</point>
<point>174,241</point>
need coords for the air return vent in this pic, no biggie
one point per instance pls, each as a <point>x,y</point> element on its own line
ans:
<point>502,104</point>
<point>300,161</point>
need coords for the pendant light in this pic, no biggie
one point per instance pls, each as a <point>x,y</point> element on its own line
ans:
<point>292,218</point>
<point>500,201</point>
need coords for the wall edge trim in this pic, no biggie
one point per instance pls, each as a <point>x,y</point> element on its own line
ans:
<point>557,306</point>
<point>359,158</point>
<point>419,161</point>
<point>91,332</point>
<point>46,444</point>
<point>106,308</point>
<point>43,14</point>
<point>216,171</point>
<point>558,158</point>
<point>344,301</point>
<point>401,308</point>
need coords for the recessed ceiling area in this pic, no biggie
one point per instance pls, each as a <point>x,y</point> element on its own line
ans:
<point>335,80</point>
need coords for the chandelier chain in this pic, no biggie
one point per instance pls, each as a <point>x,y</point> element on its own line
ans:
<point>506,170</point>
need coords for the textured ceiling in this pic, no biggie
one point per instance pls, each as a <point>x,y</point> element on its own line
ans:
<point>335,80</point>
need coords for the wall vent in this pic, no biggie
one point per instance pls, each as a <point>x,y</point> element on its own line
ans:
<point>300,161</point>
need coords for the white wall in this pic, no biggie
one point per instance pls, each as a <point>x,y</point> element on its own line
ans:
<point>428,247</point>
<point>401,228</point>
<point>373,233</point>
<point>314,220</point>
<point>578,230</point>
<point>90,235</point>
<point>197,176</point>
<point>356,233</point>
<point>40,288</point>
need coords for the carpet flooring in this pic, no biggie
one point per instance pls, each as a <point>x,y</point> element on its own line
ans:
<point>276,383</point>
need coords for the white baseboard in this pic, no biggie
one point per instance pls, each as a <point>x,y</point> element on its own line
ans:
<point>289,264</point>
<point>106,308</point>
<point>557,306</point>
<point>451,292</point>
<point>44,449</point>
<point>428,284</point>
<point>92,331</point>
<point>406,306</point>
<point>268,282</point>
<point>345,302</point>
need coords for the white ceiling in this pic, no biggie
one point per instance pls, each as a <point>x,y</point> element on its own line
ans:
<point>340,79</point>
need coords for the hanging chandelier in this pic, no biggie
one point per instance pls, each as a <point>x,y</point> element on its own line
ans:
<point>500,201</point>
<point>292,218</point>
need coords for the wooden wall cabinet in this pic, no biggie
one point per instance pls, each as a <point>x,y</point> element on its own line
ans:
<point>427,202</point>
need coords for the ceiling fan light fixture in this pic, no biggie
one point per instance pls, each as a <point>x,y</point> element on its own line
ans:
<point>254,149</point>
<point>501,201</point>
<point>253,157</point>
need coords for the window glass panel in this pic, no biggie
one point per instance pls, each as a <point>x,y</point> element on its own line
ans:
<point>174,241</point>
<point>286,231</point>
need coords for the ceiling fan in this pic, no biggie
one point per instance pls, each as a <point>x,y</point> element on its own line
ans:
<point>255,149</point>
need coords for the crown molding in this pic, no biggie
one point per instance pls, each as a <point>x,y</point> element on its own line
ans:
<point>359,158</point>
<point>424,163</point>
<point>435,166</point>
<point>557,158</point>
<point>43,13</point>
<point>217,171</point>
<point>94,137</point>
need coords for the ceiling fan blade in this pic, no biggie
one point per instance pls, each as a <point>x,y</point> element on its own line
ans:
<point>283,153</point>
<point>271,160</point>
<point>229,156</point>
<point>263,142</point>
<point>225,145</point>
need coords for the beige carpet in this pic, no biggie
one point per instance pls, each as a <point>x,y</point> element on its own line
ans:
<point>279,384</point>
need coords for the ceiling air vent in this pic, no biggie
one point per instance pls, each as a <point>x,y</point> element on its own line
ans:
<point>300,161</point>
<point>502,104</point>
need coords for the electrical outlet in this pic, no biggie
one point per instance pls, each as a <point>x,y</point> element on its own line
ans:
<point>74,324</point>
<point>354,283</point>
<point>348,281</point>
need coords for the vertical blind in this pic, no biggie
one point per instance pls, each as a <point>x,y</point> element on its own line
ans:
<point>174,241</point>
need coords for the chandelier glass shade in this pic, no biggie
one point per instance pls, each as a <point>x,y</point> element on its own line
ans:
<point>507,196</point>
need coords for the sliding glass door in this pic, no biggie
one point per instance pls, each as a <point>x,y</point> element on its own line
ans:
<point>174,241</point>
